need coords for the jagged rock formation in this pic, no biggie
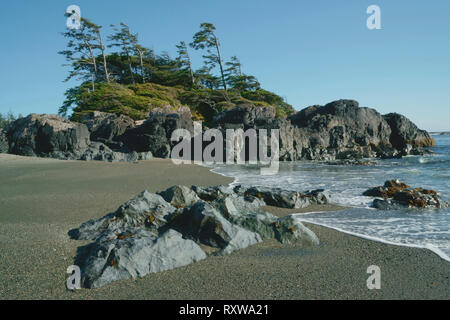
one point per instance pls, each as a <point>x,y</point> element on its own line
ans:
<point>155,133</point>
<point>55,137</point>
<point>397,195</point>
<point>340,130</point>
<point>404,132</point>
<point>156,232</point>
<point>106,127</point>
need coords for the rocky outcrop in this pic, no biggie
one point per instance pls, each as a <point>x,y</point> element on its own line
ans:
<point>397,195</point>
<point>37,135</point>
<point>405,134</point>
<point>155,133</point>
<point>156,232</point>
<point>339,130</point>
<point>55,137</point>
<point>107,127</point>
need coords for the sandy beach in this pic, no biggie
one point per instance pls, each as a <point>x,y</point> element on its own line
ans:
<point>42,199</point>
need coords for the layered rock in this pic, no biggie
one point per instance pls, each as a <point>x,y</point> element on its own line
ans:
<point>397,195</point>
<point>156,232</point>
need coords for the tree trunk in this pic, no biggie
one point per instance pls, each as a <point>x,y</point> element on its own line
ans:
<point>94,62</point>
<point>130,67</point>
<point>104,55</point>
<point>220,63</point>
<point>142,66</point>
<point>190,67</point>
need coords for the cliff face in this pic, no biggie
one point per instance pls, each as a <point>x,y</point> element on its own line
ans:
<point>339,130</point>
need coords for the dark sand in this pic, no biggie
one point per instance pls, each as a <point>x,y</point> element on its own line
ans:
<point>40,200</point>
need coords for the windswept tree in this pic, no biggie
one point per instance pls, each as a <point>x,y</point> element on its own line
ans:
<point>94,29</point>
<point>243,83</point>
<point>185,60</point>
<point>127,42</point>
<point>206,39</point>
<point>236,79</point>
<point>206,79</point>
<point>141,53</point>
<point>80,52</point>
<point>234,67</point>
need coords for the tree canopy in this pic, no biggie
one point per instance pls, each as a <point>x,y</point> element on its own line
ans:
<point>133,79</point>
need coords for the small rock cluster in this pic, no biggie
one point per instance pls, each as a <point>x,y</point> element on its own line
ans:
<point>397,195</point>
<point>182,225</point>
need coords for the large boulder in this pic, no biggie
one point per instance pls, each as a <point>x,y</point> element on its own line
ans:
<point>405,133</point>
<point>156,232</point>
<point>42,134</point>
<point>136,255</point>
<point>107,127</point>
<point>155,133</point>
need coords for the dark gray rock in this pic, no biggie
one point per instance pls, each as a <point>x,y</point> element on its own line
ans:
<point>40,135</point>
<point>155,133</point>
<point>55,137</point>
<point>339,130</point>
<point>107,127</point>
<point>283,198</point>
<point>405,133</point>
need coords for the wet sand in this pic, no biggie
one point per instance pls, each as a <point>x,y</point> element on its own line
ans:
<point>42,199</point>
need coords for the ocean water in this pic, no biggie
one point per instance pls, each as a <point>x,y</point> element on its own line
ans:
<point>428,228</point>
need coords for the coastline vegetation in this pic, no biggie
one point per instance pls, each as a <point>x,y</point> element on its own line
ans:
<point>132,80</point>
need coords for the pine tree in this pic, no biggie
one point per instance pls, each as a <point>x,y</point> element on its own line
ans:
<point>207,39</point>
<point>126,41</point>
<point>185,60</point>
<point>80,52</point>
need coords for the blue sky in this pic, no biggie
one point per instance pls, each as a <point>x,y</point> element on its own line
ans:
<point>311,52</point>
